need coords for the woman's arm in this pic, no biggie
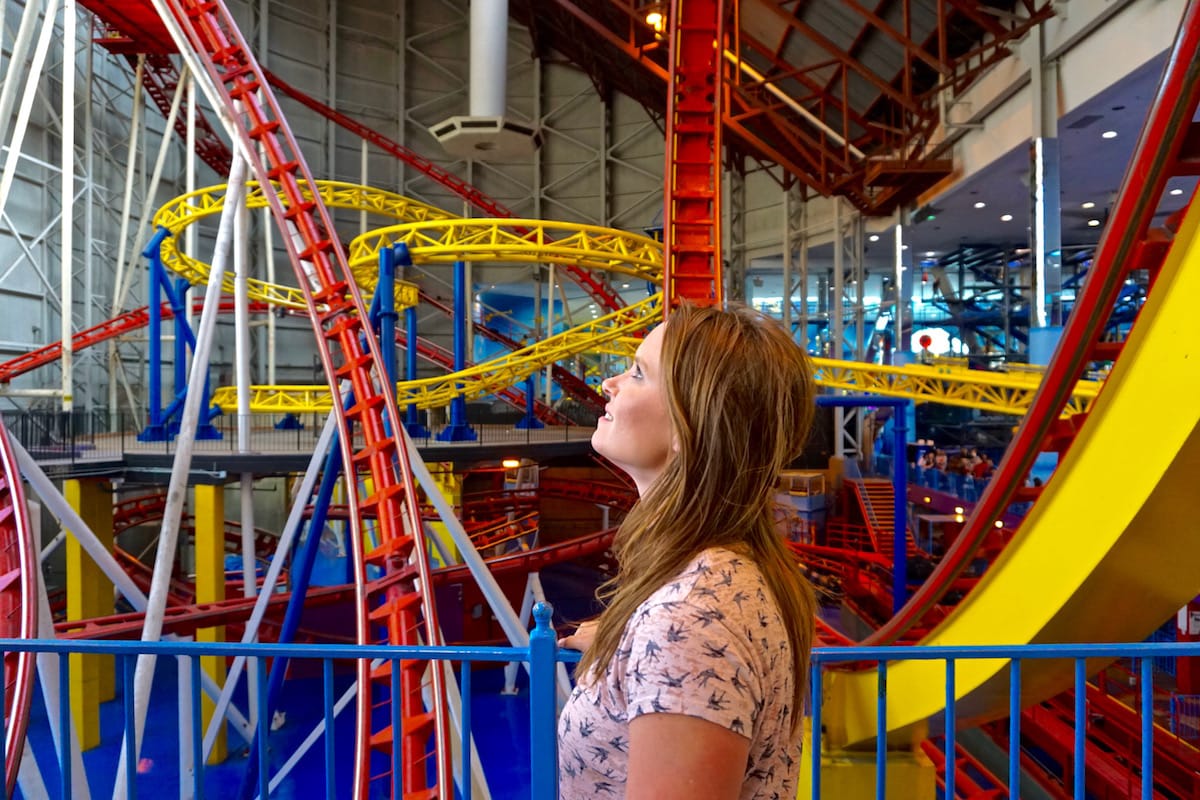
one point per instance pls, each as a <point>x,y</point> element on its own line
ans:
<point>677,757</point>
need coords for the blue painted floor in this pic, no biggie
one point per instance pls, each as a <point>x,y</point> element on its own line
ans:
<point>501,725</point>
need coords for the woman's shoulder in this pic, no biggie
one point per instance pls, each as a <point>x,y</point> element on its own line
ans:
<point>713,577</point>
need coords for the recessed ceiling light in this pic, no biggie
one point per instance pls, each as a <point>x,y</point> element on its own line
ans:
<point>1006,217</point>
<point>903,247</point>
<point>1176,192</point>
<point>624,285</point>
<point>980,204</point>
<point>874,237</point>
<point>1108,135</point>
<point>1088,204</point>
<point>1093,223</point>
<point>930,253</point>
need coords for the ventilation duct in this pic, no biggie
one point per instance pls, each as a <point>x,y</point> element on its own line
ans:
<point>485,133</point>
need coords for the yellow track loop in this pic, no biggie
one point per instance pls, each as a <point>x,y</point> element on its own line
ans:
<point>495,240</point>
<point>477,381</point>
<point>1000,392</point>
<point>202,203</point>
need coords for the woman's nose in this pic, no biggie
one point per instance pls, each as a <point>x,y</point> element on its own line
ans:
<point>608,386</point>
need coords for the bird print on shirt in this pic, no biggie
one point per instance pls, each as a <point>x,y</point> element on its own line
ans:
<point>698,646</point>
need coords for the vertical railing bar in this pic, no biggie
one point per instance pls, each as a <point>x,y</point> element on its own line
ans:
<point>1080,728</point>
<point>64,721</point>
<point>264,730</point>
<point>330,761</point>
<point>1147,687</point>
<point>815,739</point>
<point>1014,728</point>
<point>197,729</point>
<point>950,742</point>
<point>128,663</point>
<point>397,731</point>
<point>465,739</point>
<point>881,731</point>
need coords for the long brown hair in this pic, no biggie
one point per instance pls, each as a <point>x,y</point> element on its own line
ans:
<point>740,394</point>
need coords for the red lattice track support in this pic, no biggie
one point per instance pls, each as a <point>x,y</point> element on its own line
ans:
<point>18,608</point>
<point>693,163</point>
<point>350,355</point>
<point>1169,146</point>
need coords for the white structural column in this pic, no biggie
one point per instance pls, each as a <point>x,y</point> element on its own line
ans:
<point>1045,307</point>
<point>68,202</point>
<point>178,486</point>
<point>32,80</point>
<point>903,293</point>
<point>489,58</point>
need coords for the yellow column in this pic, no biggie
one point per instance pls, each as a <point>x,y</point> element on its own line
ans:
<point>850,774</point>
<point>89,594</point>
<point>450,483</point>
<point>210,587</point>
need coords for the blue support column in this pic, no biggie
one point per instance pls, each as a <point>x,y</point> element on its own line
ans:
<point>412,419</point>
<point>185,338</point>
<point>459,430</point>
<point>385,294</point>
<point>163,423</point>
<point>155,430</point>
<point>530,420</point>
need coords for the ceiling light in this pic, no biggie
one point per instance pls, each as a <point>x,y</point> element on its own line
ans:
<point>903,247</point>
<point>1093,223</point>
<point>1108,135</point>
<point>980,204</point>
<point>874,237</point>
<point>1088,204</point>
<point>657,20</point>
<point>1006,217</point>
<point>510,463</point>
<point>624,285</point>
<point>1176,192</point>
<point>930,253</point>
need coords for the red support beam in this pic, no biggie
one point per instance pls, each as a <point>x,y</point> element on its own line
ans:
<point>693,162</point>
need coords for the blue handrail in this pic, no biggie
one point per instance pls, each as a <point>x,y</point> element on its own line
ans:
<point>543,654</point>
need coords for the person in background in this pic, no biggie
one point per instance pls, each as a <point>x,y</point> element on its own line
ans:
<point>692,680</point>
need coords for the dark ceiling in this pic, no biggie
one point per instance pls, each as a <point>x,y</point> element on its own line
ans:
<point>842,94</point>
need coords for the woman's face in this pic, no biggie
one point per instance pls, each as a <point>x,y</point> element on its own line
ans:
<point>635,431</point>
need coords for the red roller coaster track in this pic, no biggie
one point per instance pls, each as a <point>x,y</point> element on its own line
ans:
<point>1169,146</point>
<point>350,355</point>
<point>19,568</point>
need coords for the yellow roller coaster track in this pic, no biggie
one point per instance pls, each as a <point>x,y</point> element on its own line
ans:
<point>999,392</point>
<point>477,381</point>
<point>190,208</point>
<point>434,236</point>
<point>443,241</point>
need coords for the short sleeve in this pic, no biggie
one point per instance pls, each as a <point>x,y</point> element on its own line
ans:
<point>687,657</point>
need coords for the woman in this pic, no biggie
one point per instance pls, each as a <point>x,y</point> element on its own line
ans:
<point>692,681</point>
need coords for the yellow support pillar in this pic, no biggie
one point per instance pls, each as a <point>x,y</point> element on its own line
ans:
<point>89,594</point>
<point>210,587</point>
<point>450,484</point>
<point>850,774</point>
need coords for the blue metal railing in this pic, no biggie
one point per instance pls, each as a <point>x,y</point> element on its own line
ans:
<point>1142,654</point>
<point>542,655</point>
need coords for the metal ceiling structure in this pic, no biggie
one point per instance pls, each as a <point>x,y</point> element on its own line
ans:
<point>847,97</point>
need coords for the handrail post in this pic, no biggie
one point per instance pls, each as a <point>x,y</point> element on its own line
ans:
<point>543,734</point>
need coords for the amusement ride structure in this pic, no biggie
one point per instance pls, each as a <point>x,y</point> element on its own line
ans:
<point>1081,556</point>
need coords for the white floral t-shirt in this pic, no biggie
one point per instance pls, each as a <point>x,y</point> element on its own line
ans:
<point>708,644</point>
